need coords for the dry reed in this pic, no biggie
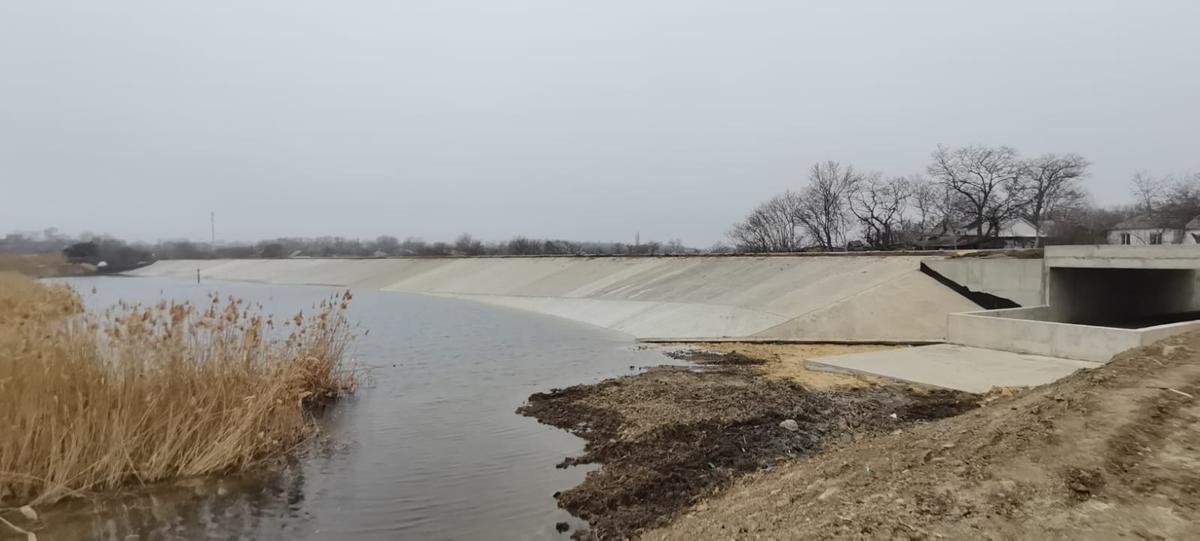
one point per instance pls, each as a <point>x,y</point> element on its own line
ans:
<point>40,265</point>
<point>148,393</point>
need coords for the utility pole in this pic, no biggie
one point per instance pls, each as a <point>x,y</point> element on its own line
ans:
<point>212,223</point>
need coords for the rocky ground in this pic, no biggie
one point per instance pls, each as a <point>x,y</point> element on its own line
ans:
<point>669,437</point>
<point>1108,453</point>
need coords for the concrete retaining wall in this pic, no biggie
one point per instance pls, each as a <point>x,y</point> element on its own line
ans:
<point>859,298</point>
<point>1018,280</point>
<point>1022,331</point>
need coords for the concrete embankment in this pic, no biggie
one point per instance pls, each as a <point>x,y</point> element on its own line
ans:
<point>835,298</point>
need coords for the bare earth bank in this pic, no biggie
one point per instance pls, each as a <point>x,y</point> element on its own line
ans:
<point>1109,453</point>
<point>670,437</point>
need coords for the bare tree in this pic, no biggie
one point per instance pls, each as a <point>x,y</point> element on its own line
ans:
<point>523,246</point>
<point>879,206</point>
<point>1168,202</point>
<point>824,202</point>
<point>773,226</point>
<point>467,245</point>
<point>1085,223</point>
<point>386,244</point>
<point>984,182</point>
<point>932,210</point>
<point>1185,197</point>
<point>1048,183</point>
<point>1149,191</point>
<point>721,248</point>
<point>1182,204</point>
<point>675,246</point>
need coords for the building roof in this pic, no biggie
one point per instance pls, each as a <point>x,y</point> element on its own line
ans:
<point>1017,227</point>
<point>1146,222</point>
<point>1142,221</point>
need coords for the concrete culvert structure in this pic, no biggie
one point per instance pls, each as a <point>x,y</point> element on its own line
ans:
<point>1102,300</point>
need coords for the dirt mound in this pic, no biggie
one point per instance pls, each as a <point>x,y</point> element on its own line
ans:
<point>670,436</point>
<point>1107,453</point>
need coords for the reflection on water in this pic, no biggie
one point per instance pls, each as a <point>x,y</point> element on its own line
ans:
<point>263,505</point>
<point>430,449</point>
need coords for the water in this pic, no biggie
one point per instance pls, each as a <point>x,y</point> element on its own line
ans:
<point>430,449</point>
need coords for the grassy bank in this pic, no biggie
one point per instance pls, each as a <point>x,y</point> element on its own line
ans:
<point>148,393</point>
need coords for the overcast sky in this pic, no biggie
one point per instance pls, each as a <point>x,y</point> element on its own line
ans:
<point>589,120</point>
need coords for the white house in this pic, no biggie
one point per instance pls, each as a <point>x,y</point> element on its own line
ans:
<point>1142,230</point>
<point>1021,233</point>
<point>1015,233</point>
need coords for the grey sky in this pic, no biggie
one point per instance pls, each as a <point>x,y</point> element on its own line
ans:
<point>571,119</point>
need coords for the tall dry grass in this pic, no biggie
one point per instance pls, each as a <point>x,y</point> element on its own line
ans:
<point>148,393</point>
<point>40,265</point>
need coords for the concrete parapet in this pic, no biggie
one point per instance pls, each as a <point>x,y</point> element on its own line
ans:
<point>1166,256</point>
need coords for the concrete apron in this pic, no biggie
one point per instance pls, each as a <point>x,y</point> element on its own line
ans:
<point>951,366</point>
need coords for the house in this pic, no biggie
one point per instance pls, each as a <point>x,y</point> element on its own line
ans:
<point>1143,230</point>
<point>1014,233</point>
<point>1021,233</point>
<point>1191,231</point>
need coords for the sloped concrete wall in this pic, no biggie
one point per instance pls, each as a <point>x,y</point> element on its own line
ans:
<point>801,297</point>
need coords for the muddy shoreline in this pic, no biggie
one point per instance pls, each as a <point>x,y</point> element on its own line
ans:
<point>670,436</point>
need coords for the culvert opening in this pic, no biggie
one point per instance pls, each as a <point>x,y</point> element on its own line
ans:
<point>1125,298</point>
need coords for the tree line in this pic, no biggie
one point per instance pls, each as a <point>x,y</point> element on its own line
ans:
<point>974,188</point>
<point>120,254</point>
<point>979,188</point>
<point>464,245</point>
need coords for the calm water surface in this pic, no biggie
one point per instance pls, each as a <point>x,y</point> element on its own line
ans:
<point>430,449</point>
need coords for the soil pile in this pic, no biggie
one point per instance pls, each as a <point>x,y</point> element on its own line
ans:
<point>1107,453</point>
<point>670,436</point>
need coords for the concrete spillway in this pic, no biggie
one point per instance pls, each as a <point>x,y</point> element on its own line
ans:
<point>802,297</point>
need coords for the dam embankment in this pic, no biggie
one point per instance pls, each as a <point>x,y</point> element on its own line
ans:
<point>804,297</point>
